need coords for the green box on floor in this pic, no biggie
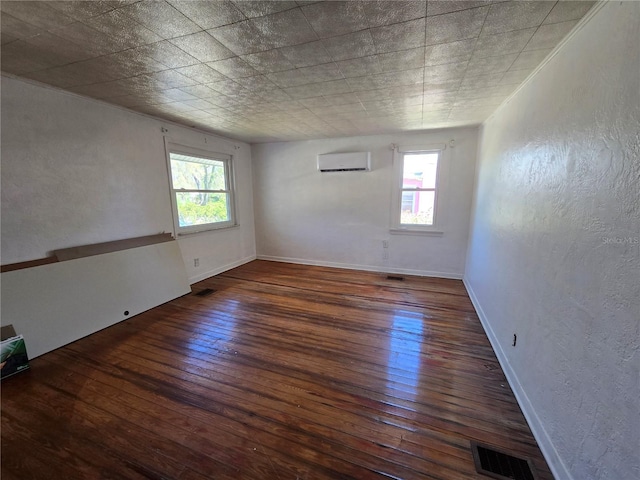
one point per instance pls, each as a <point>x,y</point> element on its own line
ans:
<point>13,352</point>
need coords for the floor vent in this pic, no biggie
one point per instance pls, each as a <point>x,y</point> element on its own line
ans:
<point>503,466</point>
<point>205,292</point>
<point>395,277</point>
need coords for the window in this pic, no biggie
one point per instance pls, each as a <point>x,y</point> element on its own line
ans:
<point>417,177</point>
<point>201,190</point>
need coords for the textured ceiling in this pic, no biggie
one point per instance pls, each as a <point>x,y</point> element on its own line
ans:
<point>288,70</point>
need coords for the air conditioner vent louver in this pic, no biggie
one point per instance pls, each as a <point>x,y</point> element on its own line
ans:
<point>344,162</point>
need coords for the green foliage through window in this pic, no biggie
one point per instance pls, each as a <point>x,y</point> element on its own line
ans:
<point>201,189</point>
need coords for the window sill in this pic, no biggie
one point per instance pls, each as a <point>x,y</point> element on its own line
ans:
<point>414,231</point>
<point>205,230</point>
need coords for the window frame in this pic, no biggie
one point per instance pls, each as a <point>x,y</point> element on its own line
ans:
<point>227,160</point>
<point>436,228</point>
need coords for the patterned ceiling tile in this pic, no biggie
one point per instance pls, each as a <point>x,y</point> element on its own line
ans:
<point>483,66</point>
<point>173,95</point>
<point>130,33</point>
<point>124,64</point>
<point>391,92</point>
<point>481,81</point>
<point>306,75</point>
<point>318,89</point>
<point>168,54</point>
<point>446,72</point>
<point>451,52</point>
<point>508,42</point>
<point>233,67</point>
<point>441,87</point>
<point>208,14</point>
<point>84,10</point>
<point>275,95</point>
<point>329,19</point>
<point>507,16</point>
<point>259,83</point>
<point>566,10</point>
<point>351,45</point>
<point>38,14</point>
<point>227,87</point>
<point>359,67</point>
<point>202,46</point>
<point>95,42</point>
<point>548,36</point>
<point>339,99</point>
<point>480,101</point>
<point>386,80</point>
<point>439,7</point>
<point>57,50</point>
<point>261,8</point>
<point>402,60</point>
<point>201,73</point>
<point>455,26</point>
<point>269,61</point>
<point>306,54</point>
<point>285,28</point>
<point>202,92</point>
<point>282,70</point>
<point>15,27</point>
<point>389,12</point>
<point>242,38</point>
<point>170,78</point>
<point>101,90</point>
<point>401,36</point>
<point>19,57</point>
<point>161,18</point>
<point>72,75</point>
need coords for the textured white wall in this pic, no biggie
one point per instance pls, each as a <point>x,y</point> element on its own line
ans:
<point>340,219</point>
<point>76,171</point>
<point>554,250</point>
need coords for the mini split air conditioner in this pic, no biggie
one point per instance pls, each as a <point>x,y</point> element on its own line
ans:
<point>344,162</point>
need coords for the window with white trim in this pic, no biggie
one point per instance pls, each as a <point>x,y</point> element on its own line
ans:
<point>202,193</point>
<point>417,189</point>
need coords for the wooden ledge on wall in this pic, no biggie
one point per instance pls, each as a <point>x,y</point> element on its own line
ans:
<point>72,253</point>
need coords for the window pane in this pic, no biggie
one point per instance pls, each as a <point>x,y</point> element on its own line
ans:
<point>417,208</point>
<point>193,173</point>
<point>419,170</point>
<point>202,208</point>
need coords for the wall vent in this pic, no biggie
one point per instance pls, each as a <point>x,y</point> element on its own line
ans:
<point>501,465</point>
<point>395,277</point>
<point>205,292</point>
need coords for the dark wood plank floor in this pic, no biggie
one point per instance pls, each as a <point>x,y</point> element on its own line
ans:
<point>284,372</point>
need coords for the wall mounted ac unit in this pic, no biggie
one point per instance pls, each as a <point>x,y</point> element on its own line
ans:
<point>344,162</point>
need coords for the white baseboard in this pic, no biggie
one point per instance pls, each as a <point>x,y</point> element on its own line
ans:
<point>557,466</point>
<point>367,268</point>
<point>218,270</point>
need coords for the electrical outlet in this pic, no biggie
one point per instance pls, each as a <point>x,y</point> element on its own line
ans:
<point>385,243</point>
<point>385,254</point>
<point>196,262</point>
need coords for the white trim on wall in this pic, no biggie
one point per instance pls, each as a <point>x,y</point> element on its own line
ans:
<point>366,268</point>
<point>219,270</point>
<point>557,466</point>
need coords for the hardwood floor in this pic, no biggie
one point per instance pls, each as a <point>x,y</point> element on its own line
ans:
<point>284,372</point>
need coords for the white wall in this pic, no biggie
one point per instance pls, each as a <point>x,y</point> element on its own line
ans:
<point>340,219</point>
<point>554,249</point>
<point>76,171</point>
